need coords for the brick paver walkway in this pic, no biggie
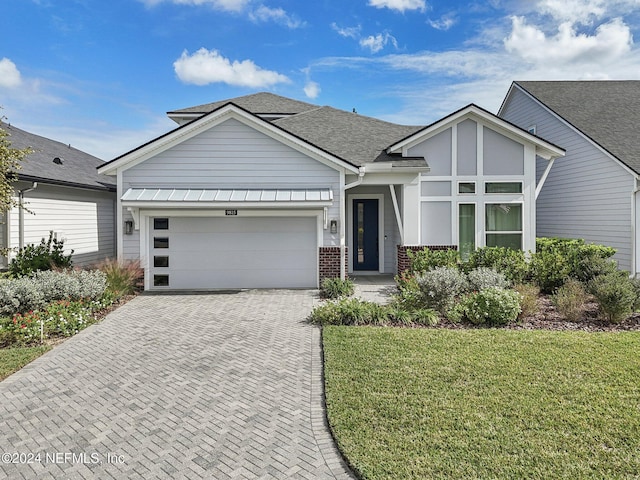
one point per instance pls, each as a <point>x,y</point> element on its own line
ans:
<point>176,386</point>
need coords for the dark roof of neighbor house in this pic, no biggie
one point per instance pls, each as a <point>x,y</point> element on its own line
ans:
<point>262,103</point>
<point>75,167</point>
<point>607,111</point>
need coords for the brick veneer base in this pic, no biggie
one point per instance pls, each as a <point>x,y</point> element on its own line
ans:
<point>403,260</point>
<point>329,262</point>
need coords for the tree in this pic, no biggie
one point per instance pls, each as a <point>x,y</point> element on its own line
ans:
<point>10,159</point>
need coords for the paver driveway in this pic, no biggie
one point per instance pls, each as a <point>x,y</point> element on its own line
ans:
<point>176,386</point>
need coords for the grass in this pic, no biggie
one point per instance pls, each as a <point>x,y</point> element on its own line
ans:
<point>13,359</point>
<point>425,403</point>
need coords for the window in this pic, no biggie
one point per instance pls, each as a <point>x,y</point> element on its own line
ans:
<point>161,280</point>
<point>466,187</point>
<point>466,230</point>
<point>160,242</point>
<point>160,261</point>
<point>161,224</point>
<point>503,187</point>
<point>532,129</point>
<point>503,225</point>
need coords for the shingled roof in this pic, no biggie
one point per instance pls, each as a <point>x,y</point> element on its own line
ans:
<point>607,111</point>
<point>263,103</point>
<point>74,168</point>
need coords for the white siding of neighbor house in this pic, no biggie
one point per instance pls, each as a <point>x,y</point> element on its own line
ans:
<point>83,218</point>
<point>229,155</point>
<point>391,232</point>
<point>587,194</point>
<point>473,150</point>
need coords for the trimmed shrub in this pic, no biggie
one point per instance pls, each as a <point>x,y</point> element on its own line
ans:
<point>440,287</point>
<point>593,265</point>
<point>47,255</point>
<point>348,311</point>
<point>122,277</point>
<point>569,299</point>
<point>426,259</point>
<point>528,299</point>
<point>485,277</point>
<point>615,294</point>
<point>511,263</point>
<point>491,306</point>
<point>549,270</point>
<point>20,295</point>
<point>336,288</point>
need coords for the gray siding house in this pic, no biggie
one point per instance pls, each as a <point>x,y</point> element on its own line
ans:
<point>63,193</point>
<point>267,191</point>
<point>592,193</point>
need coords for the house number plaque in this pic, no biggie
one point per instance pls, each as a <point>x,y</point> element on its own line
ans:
<point>231,212</point>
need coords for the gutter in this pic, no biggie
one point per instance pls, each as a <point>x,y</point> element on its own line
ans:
<point>21,193</point>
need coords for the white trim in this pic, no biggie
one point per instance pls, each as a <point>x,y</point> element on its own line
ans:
<point>396,210</point>
<point>227,205</point>
<point>119,218</point>
<point>367,196</point>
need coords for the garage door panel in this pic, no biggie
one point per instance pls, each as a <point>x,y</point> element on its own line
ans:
<point>265,252</point>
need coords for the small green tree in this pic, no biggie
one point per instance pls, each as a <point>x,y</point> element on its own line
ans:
<point>10,159</point>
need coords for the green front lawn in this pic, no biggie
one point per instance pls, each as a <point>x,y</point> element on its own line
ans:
<point>426,403</point>
<point>13,359</point>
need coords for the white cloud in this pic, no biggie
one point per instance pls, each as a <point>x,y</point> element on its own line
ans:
<point>311,89</point>
<point>208,66</point>
<point>226,5</point>
<point>400,5</point>
<point>277,15</point>
<point>611,41</point>
<point>9,74</point>
<point>443,23</point>
<point>378,42</point>
<point>347,32</point>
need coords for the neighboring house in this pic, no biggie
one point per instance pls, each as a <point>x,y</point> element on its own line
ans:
<point>63,193</point>
<point>266,191</point>
<point>593,192</point>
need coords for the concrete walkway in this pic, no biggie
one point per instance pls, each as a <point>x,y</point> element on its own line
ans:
<point>374,288</point>
<point>176,386</point>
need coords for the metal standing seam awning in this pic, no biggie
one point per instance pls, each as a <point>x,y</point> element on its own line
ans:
<point>211,197</point>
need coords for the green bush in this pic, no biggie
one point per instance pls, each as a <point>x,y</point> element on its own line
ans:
<point>122,277</point>
<point>569,299</point>
<point>491,306</point>
<point>64,318</point>
<point>511,263</point>
<point>616,295</point>
<point>485,277</point>
<point>45,256</point>
<point>440,287</point>
<point>426,259</point>
<point>348,311</point>
<point>336,288</point>
<point>528,299</point>
<point>549,269</point>
<point>409,295</point>
<point>583,260</point>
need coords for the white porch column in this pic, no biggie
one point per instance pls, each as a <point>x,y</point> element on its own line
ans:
<point>411,212</point>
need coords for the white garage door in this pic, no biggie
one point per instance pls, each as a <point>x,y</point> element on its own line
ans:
<point>233,252</point>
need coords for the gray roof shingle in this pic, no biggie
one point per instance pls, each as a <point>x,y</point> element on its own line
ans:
<point>262,103</point>
<point>78,168</point>
<point>350,136</point>
<point>606,111</point>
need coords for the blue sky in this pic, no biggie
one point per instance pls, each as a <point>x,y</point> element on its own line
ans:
<point>101,74</point>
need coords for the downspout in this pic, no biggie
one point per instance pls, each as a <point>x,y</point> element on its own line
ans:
<point>21,193</point>
<point>343,272</point>
<point>634,227</point>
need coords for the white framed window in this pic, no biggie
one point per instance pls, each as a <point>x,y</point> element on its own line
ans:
<point>503,225</point>
<point>503,187</point>
<point>466,188</point>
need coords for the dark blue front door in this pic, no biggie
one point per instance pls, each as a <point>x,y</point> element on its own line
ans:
<point>365,235</point>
